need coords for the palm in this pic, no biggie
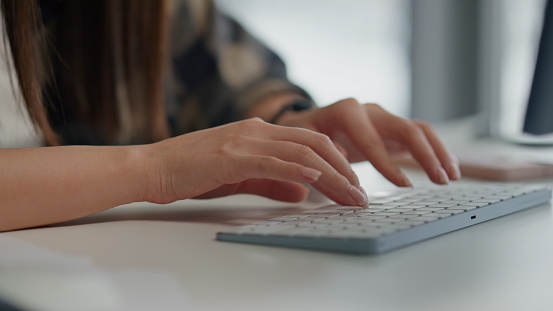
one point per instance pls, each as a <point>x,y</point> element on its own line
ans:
<point>273,189</point>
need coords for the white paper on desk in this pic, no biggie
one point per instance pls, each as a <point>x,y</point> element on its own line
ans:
<point>35,278</point>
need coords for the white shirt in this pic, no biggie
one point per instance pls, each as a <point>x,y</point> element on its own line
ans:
<point>16,129</point>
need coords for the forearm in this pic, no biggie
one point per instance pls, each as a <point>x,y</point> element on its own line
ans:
<point>49,185</point>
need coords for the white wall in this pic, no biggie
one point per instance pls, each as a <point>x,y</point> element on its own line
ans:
<point>16,129</point>
<point>519,34</point>
<point>337,48</point>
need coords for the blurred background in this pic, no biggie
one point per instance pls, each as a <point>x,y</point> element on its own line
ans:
<point>337,49</point>
<point>433,60</point>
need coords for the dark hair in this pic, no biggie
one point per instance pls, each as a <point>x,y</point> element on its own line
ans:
<point>109,56</point>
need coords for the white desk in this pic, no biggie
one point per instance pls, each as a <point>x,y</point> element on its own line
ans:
<point>504,264</point>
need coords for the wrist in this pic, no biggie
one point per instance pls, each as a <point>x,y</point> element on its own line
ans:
<point>140,169</point>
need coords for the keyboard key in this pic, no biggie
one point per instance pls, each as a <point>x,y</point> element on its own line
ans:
<point>284,218</point>
<point>402,216</point>
<point>427,203</point>
<point>418,212</point>
<point>410,206</point>
<point>429,217</point>
<point>325,222</point>
<point>485,200</point>
<point>386,220</point>
<point>371,217</point>
<point>475,204</point>
<point>443,205</point>
<point>446,213</point>
<point>457,201</point>
<point>384,213</point>
<point>398,210</point>
<point>463,208</point>
<point>370,211</point>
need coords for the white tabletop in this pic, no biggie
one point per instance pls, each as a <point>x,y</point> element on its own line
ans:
<point>167,258</point>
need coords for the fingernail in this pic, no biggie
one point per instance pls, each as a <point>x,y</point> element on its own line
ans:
<point>356,178</point>
<point>405,182</point>
<point>310,174</point>
<point>363,190</point>
<point>357,195</point>
<point>454,171</point>
<point>441,175</point>
<point>366,205</point>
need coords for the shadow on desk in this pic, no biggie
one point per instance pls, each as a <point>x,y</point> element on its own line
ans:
<point>232,211</point>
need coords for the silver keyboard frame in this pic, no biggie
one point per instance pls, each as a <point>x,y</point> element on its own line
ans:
<point>391,241</point>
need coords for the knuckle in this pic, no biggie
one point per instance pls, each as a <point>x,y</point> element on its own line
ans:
<point>231,143</point>
<point>230,174</point>
<point>303,151</point>
<point>228,159</point>
<point>416,134</point>
<point>411,130</point>
<point>343,110</point>
<point>348,103</point>
<point>374,106</point>
<point>424,125</point>
<point>250,125</point>
<point>349,100</point>
<point>372,142</point>
<point>322,139</point>
<point>262,163</point>
<point>339,178</point>
<point>228,145</point>
<point>256,119</point>
<point>265,164</point>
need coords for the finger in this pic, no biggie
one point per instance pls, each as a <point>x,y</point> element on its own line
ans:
<point>353,120</point>
<point>448,161</point>
<point>318,142</point>
<point>322,145</point>
<point>342,150</point>
<point>331,183</point>
<point>414,137</point>
<point>268,167</point>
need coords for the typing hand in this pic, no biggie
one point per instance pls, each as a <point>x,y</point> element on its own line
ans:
<point>368,132</point>
<point>249,156</point>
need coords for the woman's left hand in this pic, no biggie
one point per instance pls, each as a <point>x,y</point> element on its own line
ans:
<point>368,132</point>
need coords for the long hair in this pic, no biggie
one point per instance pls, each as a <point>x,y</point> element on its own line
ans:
<point>109,57</point>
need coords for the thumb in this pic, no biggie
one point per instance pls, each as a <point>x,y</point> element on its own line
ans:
<point>286,191</point>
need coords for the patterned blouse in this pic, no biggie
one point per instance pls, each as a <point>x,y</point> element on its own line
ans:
<point>218,70</point>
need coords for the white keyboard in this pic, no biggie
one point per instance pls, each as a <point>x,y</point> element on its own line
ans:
<point>393,219</point>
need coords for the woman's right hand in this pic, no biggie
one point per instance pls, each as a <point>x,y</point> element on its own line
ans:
<point>249,156</point>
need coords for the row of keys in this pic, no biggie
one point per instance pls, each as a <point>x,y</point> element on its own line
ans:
<point>390,213</point>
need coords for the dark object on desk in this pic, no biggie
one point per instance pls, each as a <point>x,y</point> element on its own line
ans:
<point>4,306</point>
<point>393,220</point>
<point>539,113</point>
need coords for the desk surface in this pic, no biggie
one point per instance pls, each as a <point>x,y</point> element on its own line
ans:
<point>504,264</point>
